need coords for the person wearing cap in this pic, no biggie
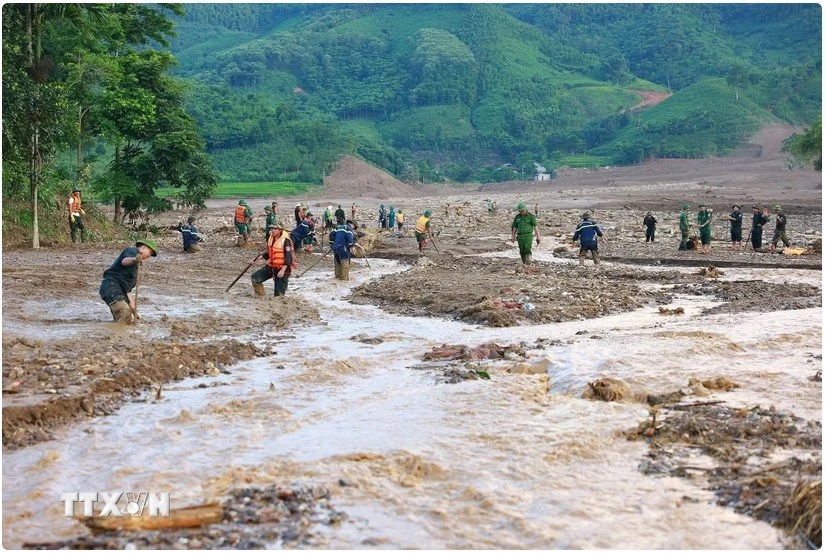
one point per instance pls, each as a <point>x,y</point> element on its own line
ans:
<point>191,236</point>
<point>243,216</point>
<point>779,231</point>
<point>649,222</point>
<point>303,231</point>
<point>759,220</point>
<point>76,214</point>
<point>523,227</point>
<point>120,279</point>
<point>703,217</point>
<point>341,241</point>
<point>281,261</point>
<point>341,215</point>
<point>735,219</point>
<point>588,234</point>
<point>271,220</point>
<point>423,230</point>
<point>684,227</point>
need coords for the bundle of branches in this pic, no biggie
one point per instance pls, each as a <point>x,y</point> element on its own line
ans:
<point>369,238</point>
<point>803,510</point>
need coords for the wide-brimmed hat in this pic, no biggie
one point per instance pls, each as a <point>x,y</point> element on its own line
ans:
<point>685,206</point>
<point>267,209</point>
<point>777,208</point>
<point>191,219</point>
<point>149,243</point>
<point>737,206</point>
<point>243,203</point>
<point>427,213</point>
<point>521,207</point>
<point>586,215</point>
<point>76,188</point>
<point>353,224</point>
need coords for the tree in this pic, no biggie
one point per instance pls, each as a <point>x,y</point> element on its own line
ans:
<point>806,148</point>
<point>738,78</point>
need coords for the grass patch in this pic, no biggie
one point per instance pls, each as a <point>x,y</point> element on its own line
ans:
<point>584,161</point>
<point>249,189</point>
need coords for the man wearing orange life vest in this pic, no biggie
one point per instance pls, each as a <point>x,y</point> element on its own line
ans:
<point>280,263</point>
<point>76,216</point>
<point>243,215</point>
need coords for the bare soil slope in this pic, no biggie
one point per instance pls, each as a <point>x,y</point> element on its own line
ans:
<point>356,178</point>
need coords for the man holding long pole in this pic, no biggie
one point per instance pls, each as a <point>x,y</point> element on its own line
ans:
<point>280,256</point>
<point>121,278</point>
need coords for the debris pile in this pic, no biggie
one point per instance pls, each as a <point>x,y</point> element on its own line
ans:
<point>787,493</point>
<point>448,352</point>
<point>251,518</point>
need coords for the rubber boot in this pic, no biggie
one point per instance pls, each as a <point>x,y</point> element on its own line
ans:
<point>596,258</point>
<point>581,260</point>
<point>528,259</point>
<point>345,269</point>
<point>258,287</point>
<point>121,312</point>
<point>239,241</point>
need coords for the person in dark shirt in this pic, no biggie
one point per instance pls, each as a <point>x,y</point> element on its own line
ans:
<point>735,219</point>
<point>588,234</point>
<point>759,221</point>
<point>120,279</point>
<point>191,236</point>
<point>649,222</point>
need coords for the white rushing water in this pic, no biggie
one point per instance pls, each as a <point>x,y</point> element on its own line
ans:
<point>513,462</point>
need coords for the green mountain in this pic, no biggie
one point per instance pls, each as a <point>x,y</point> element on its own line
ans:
<point>434,91</point>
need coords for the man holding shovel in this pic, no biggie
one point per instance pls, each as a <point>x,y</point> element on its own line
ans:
<point>122,277</point>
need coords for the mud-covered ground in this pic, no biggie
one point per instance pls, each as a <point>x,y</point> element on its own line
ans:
<point>63,360</point>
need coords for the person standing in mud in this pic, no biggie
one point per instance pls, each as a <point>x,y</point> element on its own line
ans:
<point>391,218</point>
<point>684,227</point>
<point>76,214</point>
<point>303,231</point>
<point>281,261</point>
<point>588,233</point>
<point>382,217</point>
<point>243,216</point>
<point>735,219</point>
<point>190,235</point>
<point>271,221</point>
<point>759,220</point>
<point>523,227</point>
<point>327,218</point>
<point>352,211</point>
<point>399,219</point>
<point>423,230</point>
<point>649,222</point>
<point>121,278</point>
<point>779,231</point>
<point>341,241</point>
<point>340,215</point>
<point>704,218</point>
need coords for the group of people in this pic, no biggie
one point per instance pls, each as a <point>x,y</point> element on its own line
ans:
<point>759,219</point>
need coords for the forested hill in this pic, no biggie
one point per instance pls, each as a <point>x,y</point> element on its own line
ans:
<point>476,91</point>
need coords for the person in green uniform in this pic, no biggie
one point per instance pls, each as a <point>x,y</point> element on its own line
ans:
<point>523,227</point>
<point>243,216</point>
<point>271,220</point>
<point>684,226</point>
<point>704,218</point>
<point>423,230</point>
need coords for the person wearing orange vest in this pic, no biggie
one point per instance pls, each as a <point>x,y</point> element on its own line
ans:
<point>422,230</point>
<point>280,263</point>
<point>76,215</point>
<point>243,215</point>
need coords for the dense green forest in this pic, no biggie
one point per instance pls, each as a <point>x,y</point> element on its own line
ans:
<point>456,91</point>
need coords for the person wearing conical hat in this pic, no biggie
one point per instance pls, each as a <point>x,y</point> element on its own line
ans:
<point>523,227</point>
<point>120,279</point>
<point>779,231</point>
<point>243,216</point>
<point>76,214</point>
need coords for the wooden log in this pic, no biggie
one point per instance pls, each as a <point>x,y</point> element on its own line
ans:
<point>188,517</point>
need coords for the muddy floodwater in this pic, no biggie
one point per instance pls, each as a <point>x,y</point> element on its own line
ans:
<point>518,460</point>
